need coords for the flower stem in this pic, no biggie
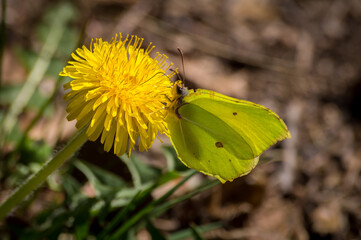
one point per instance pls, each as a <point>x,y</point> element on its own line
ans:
<point>37,178</point>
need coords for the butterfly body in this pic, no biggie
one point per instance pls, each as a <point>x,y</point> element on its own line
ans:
<point>219,135</point>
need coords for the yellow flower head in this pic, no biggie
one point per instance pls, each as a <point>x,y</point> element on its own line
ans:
<point>120,91</point>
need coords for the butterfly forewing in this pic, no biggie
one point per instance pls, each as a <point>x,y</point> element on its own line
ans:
<point>257,125</point>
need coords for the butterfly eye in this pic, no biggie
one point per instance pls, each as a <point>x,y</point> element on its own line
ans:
<point>179,90</point>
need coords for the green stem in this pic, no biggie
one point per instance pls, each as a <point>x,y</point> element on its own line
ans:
<point>37,178</point>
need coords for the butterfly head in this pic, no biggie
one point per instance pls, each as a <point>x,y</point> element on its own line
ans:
<point>179,90</point>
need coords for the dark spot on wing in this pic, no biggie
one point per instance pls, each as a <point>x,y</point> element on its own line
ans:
<point>230,160</point>
<point>219,145</point>
<point>234,114</point>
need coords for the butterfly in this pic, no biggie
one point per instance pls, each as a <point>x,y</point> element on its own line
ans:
<point>219,135</point>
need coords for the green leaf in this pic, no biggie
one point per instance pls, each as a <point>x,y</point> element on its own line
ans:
<point>141,172</point>
<point>68,11</point>
<point>104,182</point>
<point>10,92</point>
<point>31,157</point>
<point>134,220</point>
<point>173,163</point>
<point>82,219</point>
<point>147,173</point>
<point>168,177</point>
<point>28,58</point>
<point>154,232</point>
<point>15,135</point>
<point>189,232</point>
<point>58,24</point>
<point>72,189</point>
<point>195,232</point>
<point>168,204</point>
<point>67,43</point>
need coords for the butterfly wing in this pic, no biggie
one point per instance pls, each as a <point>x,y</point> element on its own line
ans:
<point>222,136</point>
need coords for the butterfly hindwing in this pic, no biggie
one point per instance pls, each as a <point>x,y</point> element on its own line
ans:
<point>204,151</point>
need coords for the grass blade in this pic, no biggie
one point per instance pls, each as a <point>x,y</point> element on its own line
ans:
<point>2,36</point>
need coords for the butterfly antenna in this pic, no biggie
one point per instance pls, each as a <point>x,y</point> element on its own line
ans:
<point>182,58</point>
<point>177,73</point>
<point>155,76</point>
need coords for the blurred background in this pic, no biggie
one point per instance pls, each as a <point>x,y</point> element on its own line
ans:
<point>301,59</point>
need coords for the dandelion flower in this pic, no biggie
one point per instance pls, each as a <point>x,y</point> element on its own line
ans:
<point>119,92</point>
